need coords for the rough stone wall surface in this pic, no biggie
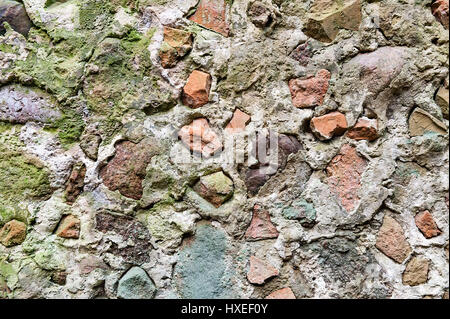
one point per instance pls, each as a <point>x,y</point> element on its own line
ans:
<point>97,98</point>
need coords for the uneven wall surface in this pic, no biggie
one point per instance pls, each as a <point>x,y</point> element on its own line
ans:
<point>224,149</point>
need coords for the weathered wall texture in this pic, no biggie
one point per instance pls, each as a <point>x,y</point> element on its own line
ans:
<point>96,97</point>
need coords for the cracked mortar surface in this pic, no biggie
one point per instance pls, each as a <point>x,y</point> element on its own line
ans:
<point>90,116</point>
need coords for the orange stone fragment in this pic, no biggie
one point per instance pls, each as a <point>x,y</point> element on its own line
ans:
<point>261,226</point>
<point>200,138</point>
<point>196,90</point>
<point>13,233</point>
<point>330,125</point>
<point>285,293</point>
<point>260,271</point>
<point>212,15</point>
<point>238,122</point>
<point>344,176</point>
<point>69,227</point>
<point>311,91</point>
<point>427,225</point>
<point>365,129</point>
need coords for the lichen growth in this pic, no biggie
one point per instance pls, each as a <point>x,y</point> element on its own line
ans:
<point>70,127</point>
<point>8,278</point>
<point>21,177</point>
<point>158,221</point>
<point>125,77</point>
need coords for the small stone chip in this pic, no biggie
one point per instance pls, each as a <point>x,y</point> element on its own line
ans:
<point>260,271</point>
<point>69,227</point>
<point>391,240</point>
<point>310,92</point>
<point>327,126</point>
<point>238,122</point>
<point>365,129</point>
<point>427,225</point>
<point>212,15</point>
<point>421,122</point>
<point>326,17</point>
<point>200,138</point>
<point>215,188</point>
<point>13,233</point>
<point>285,293</point>
<point>196,90</point>
<point>136,284</point>
<point>177,43</point>
<point>261,226</point>
<point>416,272</point>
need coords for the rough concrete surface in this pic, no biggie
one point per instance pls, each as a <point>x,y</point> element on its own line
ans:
<point>224,149</point>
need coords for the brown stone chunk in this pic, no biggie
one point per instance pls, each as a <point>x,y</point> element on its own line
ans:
<point>200,138</point>
<point>136,239</point>
<point>326,17</point>
<point>90,141</point>
<point>391,240</point>
<point>327,126</point>
<point>421,122</point>
<point>416,272</point>
<point>285,293</point>
<point>311,91</point>
<point>344,176</point>
<point>445,295</point>
<point>261,226</point>
<point>89,144</point>
<point>267,166</point>
<point>261,14</point>
<point>215,188</point>
<point>238,122</point>
<point>365,129</point>
<point>442,101</point>
<point>59,277</point>
<point>439,8</point>
<point>14,13</point>
<point>126,170</point>
<point>427,225</point>
<point>303,53</point>
<point>13,233</point>
<point>69,227</point>
<point>196,90</point>
<point>75,183</point>
<point>255,178</point>
<point>177,43</point>
<point>260,271</point>
<point>212,15</point>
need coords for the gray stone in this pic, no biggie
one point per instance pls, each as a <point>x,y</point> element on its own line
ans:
<point>201,271</point>
<point>136,284</point>
<point>20,104</point>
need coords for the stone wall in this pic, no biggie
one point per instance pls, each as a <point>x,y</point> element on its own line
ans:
<point>224,149</point>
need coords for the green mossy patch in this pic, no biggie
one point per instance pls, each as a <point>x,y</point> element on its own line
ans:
<point>125,78</point>
<point>8,278</point>
<point>94,13</point>
<point>57,68</point>
<point>158,221</point>
<point>21,178</point>
<point>70,127</point>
